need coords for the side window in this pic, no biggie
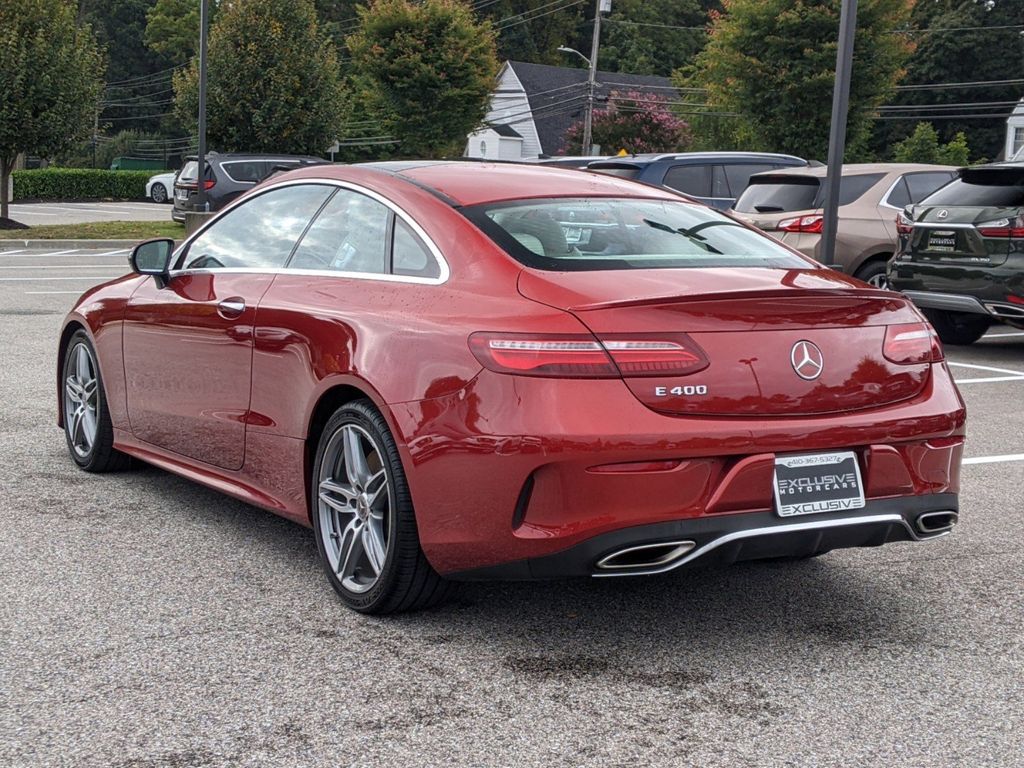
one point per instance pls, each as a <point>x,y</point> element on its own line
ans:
<point>260,232</point>
<point>899,197</point>
<point>244,171</point>
<point>852,187</point>
<point>923,184</point>
<point>690,179</point>
<point>349,235</point>
<point>719,185</point>
<point>739,175</point>
<point>410,255</point>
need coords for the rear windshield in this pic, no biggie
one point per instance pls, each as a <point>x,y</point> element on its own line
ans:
<point>982,187</point>
<point>782,194</point>
<point>188,171</point>
<point>606,234</point>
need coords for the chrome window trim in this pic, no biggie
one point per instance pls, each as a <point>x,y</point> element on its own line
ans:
<point>442,263</point>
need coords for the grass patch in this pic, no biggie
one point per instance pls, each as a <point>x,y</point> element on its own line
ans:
<point>98,230</point>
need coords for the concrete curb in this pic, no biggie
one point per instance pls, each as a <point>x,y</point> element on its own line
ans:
<point>59,245</point>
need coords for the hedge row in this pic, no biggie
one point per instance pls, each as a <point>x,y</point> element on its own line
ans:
<point>80,184</point>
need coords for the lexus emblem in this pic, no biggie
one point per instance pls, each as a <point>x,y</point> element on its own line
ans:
<point>942,214</point>
<point>807,360</point>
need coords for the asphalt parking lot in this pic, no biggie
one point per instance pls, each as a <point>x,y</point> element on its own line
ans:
<point>38,214</point>
<point>149,622</point>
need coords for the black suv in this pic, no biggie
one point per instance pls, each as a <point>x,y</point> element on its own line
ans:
<point>228,176</point>
<point>960,253</point>
<point>715,178</point>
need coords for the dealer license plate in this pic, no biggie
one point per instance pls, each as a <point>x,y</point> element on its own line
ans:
<point>823,482</point>
<point>942,241</point>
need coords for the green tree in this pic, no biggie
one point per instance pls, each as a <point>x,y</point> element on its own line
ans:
<point>51,74</point>
<point>771,63</point>
<point>960,41</point>
<point>532,30</point>
<point>422,73</point>
<point>628,44</point>
<point>273,80</point>
<point>172,29</point>
<point>923,146</point>
<point>635,122</point>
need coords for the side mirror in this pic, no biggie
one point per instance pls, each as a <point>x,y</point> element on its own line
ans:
<point>153,257</point>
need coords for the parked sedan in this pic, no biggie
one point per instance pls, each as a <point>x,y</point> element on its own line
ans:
<point>158,187</point>
<point>475,371</point>
<point>961,253</point>
<point>788,204</point>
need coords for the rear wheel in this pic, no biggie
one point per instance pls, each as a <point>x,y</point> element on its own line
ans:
<point>957,328</point>
<point>873,273</point>
<point>159,193</point>
<point>87,426</point>
<point>363,517</point>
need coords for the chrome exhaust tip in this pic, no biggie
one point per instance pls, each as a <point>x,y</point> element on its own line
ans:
<point>645,555</point>
<point>936,522</point>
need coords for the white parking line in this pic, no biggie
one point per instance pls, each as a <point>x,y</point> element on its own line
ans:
<point>43,279</point>
<point>11,253</point>
<point>62,266</point>
<point>986,368</point>
<point>1001,335</point>
<point>988,380</point>
<point>60,253</point>
<point>53,293</point>
<point>45,254</point>
<point>995,459</point>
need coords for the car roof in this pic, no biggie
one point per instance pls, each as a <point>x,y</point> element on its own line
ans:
<point>226,156</point>
<point>852,169</point>
<point>699,157</point>
<point>472,183</point>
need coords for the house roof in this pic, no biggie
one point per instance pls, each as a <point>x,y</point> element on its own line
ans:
<point>505,130</point>
<point>558,95</point>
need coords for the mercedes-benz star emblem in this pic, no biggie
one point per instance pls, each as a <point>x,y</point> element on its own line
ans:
<point>807,360</point>
<point>942,214</point>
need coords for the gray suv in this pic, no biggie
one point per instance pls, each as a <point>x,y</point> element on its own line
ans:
<point>227,177</point>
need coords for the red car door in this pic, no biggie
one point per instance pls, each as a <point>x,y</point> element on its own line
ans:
<point>188,343</point>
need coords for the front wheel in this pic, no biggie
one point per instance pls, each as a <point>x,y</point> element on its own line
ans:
<point>158,193</point>
<point>363,517</point>
<point>87,426</point>
<point>957,328</point>
<point>873,273</point>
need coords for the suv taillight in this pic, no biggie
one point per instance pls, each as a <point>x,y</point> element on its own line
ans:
<point>904,224</point>
<point>910,343</point>
<point>582,356</point>
<point>1002,228</point>
<point>808,224</point>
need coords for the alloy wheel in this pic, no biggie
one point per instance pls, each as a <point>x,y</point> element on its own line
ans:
<point>880,280</point>
<point>354,506</point>
<point>81,400</point>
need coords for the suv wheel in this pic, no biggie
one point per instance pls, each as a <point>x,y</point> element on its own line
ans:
<point>957,328</point>
<point>873,273</point>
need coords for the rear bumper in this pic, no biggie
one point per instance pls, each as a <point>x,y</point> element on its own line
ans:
<point>719,541</point>
<point>952,302</point>
<point>504,470</point>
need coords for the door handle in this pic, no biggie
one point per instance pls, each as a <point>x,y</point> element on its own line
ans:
<point>231,308</point>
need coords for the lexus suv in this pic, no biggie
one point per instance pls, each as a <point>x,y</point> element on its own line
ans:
<point>960,254</point>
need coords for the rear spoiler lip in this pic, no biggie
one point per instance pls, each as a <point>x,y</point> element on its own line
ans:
<point>851,292</point>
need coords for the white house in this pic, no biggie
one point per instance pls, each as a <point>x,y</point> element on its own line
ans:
<point>1015,131</point>
<point>534,105</point>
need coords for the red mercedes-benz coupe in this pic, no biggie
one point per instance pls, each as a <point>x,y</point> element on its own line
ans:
<point>456,370</point>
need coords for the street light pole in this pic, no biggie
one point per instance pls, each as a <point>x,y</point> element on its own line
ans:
<point>204,21</point>
<point>837,134</point>
<point>595,42</point>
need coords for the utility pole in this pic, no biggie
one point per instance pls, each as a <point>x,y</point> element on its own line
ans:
<point>602,6</point>
<point>204,22</point>
<point>837,134</point>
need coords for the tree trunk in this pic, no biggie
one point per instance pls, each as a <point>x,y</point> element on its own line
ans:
<point>5,172</point>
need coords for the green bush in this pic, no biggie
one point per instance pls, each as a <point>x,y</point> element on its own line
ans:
<point>80,184</point>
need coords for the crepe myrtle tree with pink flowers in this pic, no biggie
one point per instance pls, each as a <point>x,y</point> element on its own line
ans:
<point>634,121</point>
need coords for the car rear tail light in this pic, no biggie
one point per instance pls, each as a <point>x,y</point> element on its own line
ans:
<point>904,224</point>
<point>208,184</point>
<point>1002,228</point>
<point>911,343</point>
<point>808,224</point>
<point>582,356</point>
<point>1014,299</point>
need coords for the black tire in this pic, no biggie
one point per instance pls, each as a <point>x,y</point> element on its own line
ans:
<point>874,273</point>
<point>100,456</point>
<point>158,193</point>
<point>406,581</point>
<point>957,328</point>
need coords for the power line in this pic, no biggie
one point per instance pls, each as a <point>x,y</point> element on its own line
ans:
<point>502,27</point>
<point>927,31</point>
<point>145,77</point>
<point>659,26</point>
<point>969,84</point>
